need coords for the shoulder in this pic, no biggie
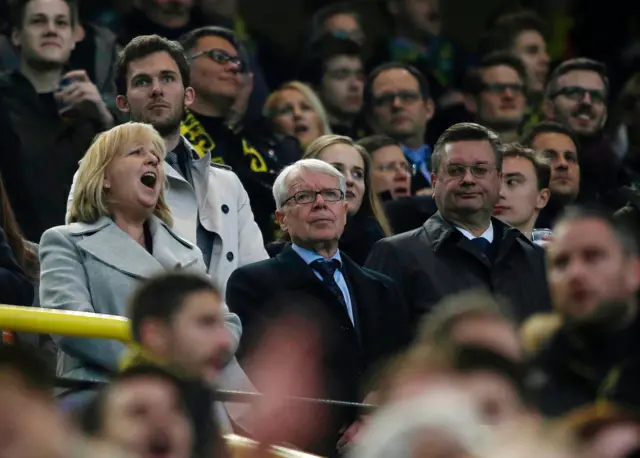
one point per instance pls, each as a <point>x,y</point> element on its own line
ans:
<point>405,239</point>
<point>258,270</point>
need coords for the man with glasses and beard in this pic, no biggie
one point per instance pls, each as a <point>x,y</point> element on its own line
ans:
<point>462,247</point>
<point>207,201</point>
<point>594,277</point>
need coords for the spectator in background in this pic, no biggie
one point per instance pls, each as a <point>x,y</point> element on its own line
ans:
<point>576,96</point>
<point>15,287</point>
<point>398,103</point>
<point>359,314</point>
<point>215,122</point>
<point>524,34</point>
<point>54,114</point>
<point>496,94</point>
<point>366,221</point>
<point>391,172</point>
<point>559,146</point>
<point>334,68</point>
<point>462,247</point>
<point>340,20</point>
<point>594,278</point>
<point>294,109</point>
<point>119,234</point>
<point>525,188</point>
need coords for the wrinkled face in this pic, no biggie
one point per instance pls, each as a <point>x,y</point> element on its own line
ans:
<point>134,179</point>
<point>342,86</point>
<point>580,102</point>
<point>502,101</point>
<point>520,198</point>
<point>421,15</point>
<point>46,36</point>
<point>320,221</point>
<point>155,93</point>
<point>391,172</point>
<point>349,162</point>
<point>468,181</point>
<point>212,79</point>
<point>588,271</point>
<point>531,48</point>
<point>197,338</point>
<point>145,417</point>
<point>399,110</point>
<point>345,25</point>
<point>488,331</point>
<point>562,155</point>
<point>294,115</point>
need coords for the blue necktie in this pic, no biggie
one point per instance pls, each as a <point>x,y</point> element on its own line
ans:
<point>326,269</point>
<point>481,244</point>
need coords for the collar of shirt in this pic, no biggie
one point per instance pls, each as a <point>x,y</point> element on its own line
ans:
<point>487,235</point>
<point>309,256</point>
<point>188,147</point>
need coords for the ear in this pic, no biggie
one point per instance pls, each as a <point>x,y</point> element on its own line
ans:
<point>430,107</point>
<point>78,33</point>
<point>547,109</point>
<point>632,274</point>
<point>470,104</point>
<point>543,198</point>
<point>15,37</point>
<point>434,180</point>
<point>189,96</point>
<point>122,103</point>
<point>154,336</point>
<point>282,220</point>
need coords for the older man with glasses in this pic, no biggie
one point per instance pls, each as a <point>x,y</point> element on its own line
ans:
<point>360,314</point>
<point>462,247</point>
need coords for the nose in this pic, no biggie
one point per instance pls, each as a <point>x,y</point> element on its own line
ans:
<point>586,99</point>
<point>508,93</point>
<point>152,159</point>
<point>297,112</point>
<point>468,176</point>
<point>396,104</point>
<point>156,89</point>
<point>561,163</point>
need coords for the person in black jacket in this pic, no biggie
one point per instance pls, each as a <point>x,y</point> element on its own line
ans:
<point>360,314</point>
<point>15,287</point>
<point>462,246</point>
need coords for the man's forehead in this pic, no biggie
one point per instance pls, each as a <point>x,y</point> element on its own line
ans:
<point>311,179</point>
<point>555,141</point>
<point>215,42</point>
<point>55,7</point>
<point>518,165</point>
<point>153,64</point>
<point>395,78</point>
<point>500,74</point>
<point>344,61</point>
<point>588,79</point>
<point>470,150</point>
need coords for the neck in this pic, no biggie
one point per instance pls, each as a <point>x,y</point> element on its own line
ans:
<point>527,227</point>
<point>415,141</point>
<point>172,140</point>
<point>217,108</point>
<point>132,225</point>
<point>477,223</point>
<point>42,81</point>
<point>166,20</point>
<point>325,248</point>
<point>340,119</point>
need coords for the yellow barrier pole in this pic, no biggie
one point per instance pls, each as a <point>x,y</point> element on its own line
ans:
<point>63,322</point>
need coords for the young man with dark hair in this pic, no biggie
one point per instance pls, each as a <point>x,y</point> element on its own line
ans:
<point>54,113</point>
<point>525,188</point>
<point>340,20</point>
<point>496,94</point>
<point>334,67</point>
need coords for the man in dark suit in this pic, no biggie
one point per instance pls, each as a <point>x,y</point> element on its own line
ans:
<point>360,314</point>
<point>462,246</point>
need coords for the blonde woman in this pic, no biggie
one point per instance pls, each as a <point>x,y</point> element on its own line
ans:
<point>294,109</point>
<point>120,235</point>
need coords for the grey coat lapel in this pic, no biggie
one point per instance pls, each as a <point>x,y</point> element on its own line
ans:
<point>169,250</point>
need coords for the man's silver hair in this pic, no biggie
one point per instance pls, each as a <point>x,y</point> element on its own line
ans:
<point>281,185</point>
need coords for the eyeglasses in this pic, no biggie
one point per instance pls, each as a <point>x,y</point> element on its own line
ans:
<point>308,197</point>
<point>459,170</point>
<point>578,93</point>
<point>390,97</point>
<point>222,57</point>
<point>392,167</point>
<point>501,88</point>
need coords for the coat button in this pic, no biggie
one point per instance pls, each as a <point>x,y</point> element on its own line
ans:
<point>229,256</point>
<point>225,209</point>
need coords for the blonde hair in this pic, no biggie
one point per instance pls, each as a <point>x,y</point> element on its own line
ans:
<point>308,93</point>
<point>89,200</point>
<point>370,206</point>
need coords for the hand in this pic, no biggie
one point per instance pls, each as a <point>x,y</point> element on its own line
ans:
<point>424,192</point>
<point>546,240</point>
<point>239,107</point>
<point>83,97</point>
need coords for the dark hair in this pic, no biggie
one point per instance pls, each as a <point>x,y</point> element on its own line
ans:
<point>374,142</point>
<point>326,47</point>
<point>540,165</point>
<point>504,31</point>
<point>163,296</point>
<point>571,65</point>
<point>25,255</point>
<point>30,366</point>
<point>368,87</point>
<point>547,127</point>
<point>143,46</point>
<point>316,28</point>
<point>190,40</point>
<point>466,131</point>
<point>621,232</point>
<point>474,84</point>
<point>17,11</point>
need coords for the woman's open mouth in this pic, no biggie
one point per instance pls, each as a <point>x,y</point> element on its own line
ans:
<point>149,179</point>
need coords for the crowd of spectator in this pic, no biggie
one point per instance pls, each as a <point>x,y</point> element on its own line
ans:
<point>447,239</point>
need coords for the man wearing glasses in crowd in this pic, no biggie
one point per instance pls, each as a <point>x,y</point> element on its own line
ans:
<point>462,247</point>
